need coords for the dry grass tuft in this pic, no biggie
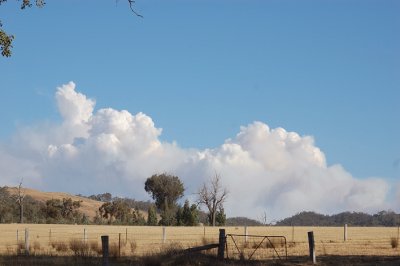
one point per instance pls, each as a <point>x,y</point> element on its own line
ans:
<point>59,246</point>
<point>246,244</point>
<point>95,247</point>
<point>9,250</point>
<point>274,243</point>
<point>255,244</point>
<point>207,241</point>
<point>36,246</point>
<point>113,250</point>
<point>20,247</point>
<point>79,248</point>
<point>133,246</point>
<point>172,249</point>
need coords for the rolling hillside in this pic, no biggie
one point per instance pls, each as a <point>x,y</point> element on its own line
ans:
<point>88,206</point>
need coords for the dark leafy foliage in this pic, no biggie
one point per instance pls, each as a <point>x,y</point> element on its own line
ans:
<point>52,211</point>
<point>187,215</point>
<point>165,190</point>
<point>383,218</point>
<point>119,211</point>
<point>241,221</point>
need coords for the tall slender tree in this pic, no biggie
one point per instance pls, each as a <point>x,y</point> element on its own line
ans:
<point>151,216</point>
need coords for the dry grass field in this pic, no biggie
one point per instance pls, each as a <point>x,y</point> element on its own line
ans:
<point>50,239</point>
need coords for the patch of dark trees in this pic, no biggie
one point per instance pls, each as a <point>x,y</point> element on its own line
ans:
<point>34,211</point>
<point>382,218</point>
<point>242,221</point>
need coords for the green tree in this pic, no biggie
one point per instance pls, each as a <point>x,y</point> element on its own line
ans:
<point>168,216</point>
<point>105,197</point>
<point>139,219</point>
<point>220,218</point>
<point>69,208</point>
<point>5,39</point>
<point>165,190</point>
<point>5,42</point>
<point>62,211</point>
<point>33,211</point>
<point>179,216</point>
<point>7,206</point>
<point>152,216</point>
<point>190,214</point>
<point>122,212</point>
<point>187,215</point>
<point>107,211</point>
<point>119,212</point>
<point>53,210</point>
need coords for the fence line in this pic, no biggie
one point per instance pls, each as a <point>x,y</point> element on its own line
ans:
<point>142,239</point>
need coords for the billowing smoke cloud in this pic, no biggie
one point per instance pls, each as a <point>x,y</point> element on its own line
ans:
<point>114,151</point>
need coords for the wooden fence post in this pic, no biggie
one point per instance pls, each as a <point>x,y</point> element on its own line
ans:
<point>84,235</point>
<point>104,245</point>
<point>311,245</point>
<point>119,245</point>
<point>50,236</point>
<point>345,232</point>
<point>164,235</point>
<point>222,242</point>
<point>126,235</point>
<point>26,241</point>
<point>245,234</point>
<point>17,237</point>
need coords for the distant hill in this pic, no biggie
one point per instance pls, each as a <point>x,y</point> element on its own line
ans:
<point>383,218</point>
<point>88,206</point>
<point>241,221</point>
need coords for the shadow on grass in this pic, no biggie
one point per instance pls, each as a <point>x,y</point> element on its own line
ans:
<point>198,259</point>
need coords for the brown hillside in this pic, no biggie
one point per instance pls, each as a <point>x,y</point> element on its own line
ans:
<point>88,206</point>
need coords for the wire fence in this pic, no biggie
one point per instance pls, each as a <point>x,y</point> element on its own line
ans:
<point>146,240</point>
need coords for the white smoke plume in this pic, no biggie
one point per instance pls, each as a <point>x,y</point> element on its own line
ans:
<point>114,151</point>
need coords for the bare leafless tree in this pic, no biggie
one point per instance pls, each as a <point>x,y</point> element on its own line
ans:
<point>263,219</point>
<point>19,198</point>
<point>213,196</point>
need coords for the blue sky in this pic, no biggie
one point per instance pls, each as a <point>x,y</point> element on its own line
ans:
<point>202,69</point>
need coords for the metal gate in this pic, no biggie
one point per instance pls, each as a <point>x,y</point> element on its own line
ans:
<point>251,245</point>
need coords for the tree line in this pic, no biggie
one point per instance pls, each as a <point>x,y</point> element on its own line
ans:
<point>166,191</point>
<point>34,211</point>
<point>382,218</point>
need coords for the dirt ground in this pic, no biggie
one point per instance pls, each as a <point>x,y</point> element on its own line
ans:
<point>344,260</point>
<point>198,260</point>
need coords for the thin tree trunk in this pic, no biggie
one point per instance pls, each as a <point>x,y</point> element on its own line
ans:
<point>21,213</point>
<point>213,218</point>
